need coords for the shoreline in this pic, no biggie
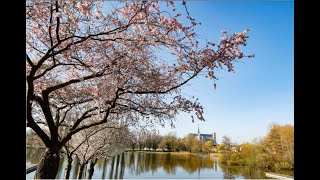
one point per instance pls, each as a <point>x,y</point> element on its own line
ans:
<point>177,153</point>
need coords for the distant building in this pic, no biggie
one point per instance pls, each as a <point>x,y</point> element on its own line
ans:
<point>206,137</point>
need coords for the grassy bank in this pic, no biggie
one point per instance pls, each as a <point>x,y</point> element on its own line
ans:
<point>215,154</point>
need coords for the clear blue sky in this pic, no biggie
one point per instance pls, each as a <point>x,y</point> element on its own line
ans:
<point>262,89</point>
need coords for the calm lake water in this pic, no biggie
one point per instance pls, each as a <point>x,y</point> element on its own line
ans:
<point>147,165</point>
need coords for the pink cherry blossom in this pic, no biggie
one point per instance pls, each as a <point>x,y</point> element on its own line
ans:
<point>89,65</point>
<point>57,14</point>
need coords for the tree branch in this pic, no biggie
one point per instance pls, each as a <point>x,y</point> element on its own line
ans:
<point>50,25</point>
<point>72,81</point>
<point>103,120</point>
<point>84,116</point>
<point>58,23</point>
<point>64,117</point>
<point>31,123</point>
<point>29,61</point>
<point>44,104</point>
<point>165,91</point>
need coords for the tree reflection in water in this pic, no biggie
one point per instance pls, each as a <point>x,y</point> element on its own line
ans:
<point>33,155</point>
<point>112,166</point>
<point>230,172</point>
<point>150,164</point>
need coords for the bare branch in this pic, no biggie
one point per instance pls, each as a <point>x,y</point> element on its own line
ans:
<point>29,61</point>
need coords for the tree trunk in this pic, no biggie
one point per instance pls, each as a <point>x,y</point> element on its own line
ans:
<point>111,170</point>
<point>75,170</point>
<point>68,167</point>
<point>48,165</point>
<point>122,166</point>
<point>91,168</point>
<point>104,169</point>
<point>81,171</point>
<point>117,166</point>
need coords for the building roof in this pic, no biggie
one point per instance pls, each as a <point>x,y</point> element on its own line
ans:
<point>208,135</point>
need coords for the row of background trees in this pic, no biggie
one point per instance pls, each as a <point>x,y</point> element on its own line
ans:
<point>151,140</point>
<point>274,151</point>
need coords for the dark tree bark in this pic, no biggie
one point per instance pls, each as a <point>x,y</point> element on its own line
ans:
<point>75,171</point>
<point>91,168</point>
<point>112,167</point>
<point>104,169</point>
<point>49,164</point>
<point>81,171</point>
<point>117,166</point>
<point>68,167</point>
<point>122,165</point>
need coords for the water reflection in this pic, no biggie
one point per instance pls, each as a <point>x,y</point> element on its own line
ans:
<point>148,165</point>
<point>33,155</point>
<point>233,172</point>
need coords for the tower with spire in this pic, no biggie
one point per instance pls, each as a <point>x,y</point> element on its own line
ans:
<point>198,132</point>
<point>206,137</point>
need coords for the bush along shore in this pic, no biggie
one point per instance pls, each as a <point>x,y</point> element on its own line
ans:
<point>273,152</point>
